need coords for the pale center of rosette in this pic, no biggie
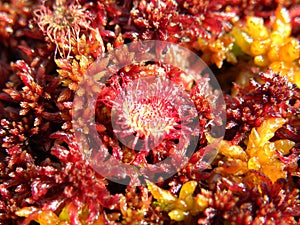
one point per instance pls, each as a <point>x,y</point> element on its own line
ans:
<point>145,112</point>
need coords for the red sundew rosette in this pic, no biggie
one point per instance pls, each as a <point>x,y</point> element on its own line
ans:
<point>145,110</point>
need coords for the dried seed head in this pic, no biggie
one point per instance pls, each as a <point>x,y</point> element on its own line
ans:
<point>63,23</point>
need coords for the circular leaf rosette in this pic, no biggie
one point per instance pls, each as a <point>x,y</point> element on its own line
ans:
<point>145,109</point>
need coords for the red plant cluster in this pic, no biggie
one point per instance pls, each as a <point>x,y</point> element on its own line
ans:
<point>274,97</point>
<point>132,111</point>
<point>181,21</point>
<point>46,49</point>
<point>244,203</point>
